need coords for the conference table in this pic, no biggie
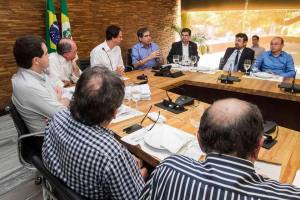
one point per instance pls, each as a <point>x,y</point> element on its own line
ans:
<point>287,150</point>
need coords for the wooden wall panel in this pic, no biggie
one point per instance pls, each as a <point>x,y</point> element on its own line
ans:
<point>89,18</point>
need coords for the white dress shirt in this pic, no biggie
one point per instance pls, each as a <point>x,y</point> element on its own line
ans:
<point>34,98</point>
<point>60,69</point>
<point>230,62</point>
<point>102,55</point>
<point>185,51</point>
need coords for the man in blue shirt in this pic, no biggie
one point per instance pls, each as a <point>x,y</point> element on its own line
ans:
<point>276,61</point>
<point>145,54</point>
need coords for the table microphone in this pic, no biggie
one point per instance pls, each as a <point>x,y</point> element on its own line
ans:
<point>108,58</point>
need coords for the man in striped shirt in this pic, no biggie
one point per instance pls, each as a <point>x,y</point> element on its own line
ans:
<point>231,134</point>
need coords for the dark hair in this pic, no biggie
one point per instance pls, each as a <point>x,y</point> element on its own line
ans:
<point>98,93</point>
<point>26,48</point>
<point>240,136</point>
<point>112,32</point>
<point>63,47</point>
<point>141,31</point>
<point>255,36</point>
<point>282,41</point>
<point>242,35</point>
<point>186,30</point>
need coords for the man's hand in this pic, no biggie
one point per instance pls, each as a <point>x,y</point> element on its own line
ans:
<point>62,100</point>
<point>120,70</point>
<point>155,54</point>
<point>75,67</point>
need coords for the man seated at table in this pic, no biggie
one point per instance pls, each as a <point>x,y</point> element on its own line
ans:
<point>145,54</point>
<point>234,57</point>
<point>33,95</point>
<point>256,48</point>
<point>81,150</point>
<point>276,61</point>
<point>185,47</point>
<point>62,64</point>
<point>108,53</point>
<point>231,133</point>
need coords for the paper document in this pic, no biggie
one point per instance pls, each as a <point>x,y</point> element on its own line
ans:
<point>296,181</point>
<point>268,170</point>
<point>125,113</point>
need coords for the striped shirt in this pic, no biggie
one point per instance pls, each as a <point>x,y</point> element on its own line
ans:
<point>89,160</point>
<point>218,177</point>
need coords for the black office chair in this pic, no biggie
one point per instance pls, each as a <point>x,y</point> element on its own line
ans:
<point>28,143</point>
<point>29,153</point>
<point>129,67</point>
<point>84,63</point>
<point>57,187</point>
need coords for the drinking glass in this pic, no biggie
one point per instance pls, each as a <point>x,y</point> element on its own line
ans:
<point>176,59</point>
<point>135,96</point>
<point>247,65</point>
<point>193,60</point>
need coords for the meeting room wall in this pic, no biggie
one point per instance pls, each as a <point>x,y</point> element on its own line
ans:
<point>89,19</point>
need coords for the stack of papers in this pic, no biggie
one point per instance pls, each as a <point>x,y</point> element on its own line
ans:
<point>296,181</point>
<point>68,92</point>
<point>163,141</point>
<point>203,69</point>
<point>268,170</point>
<point>125,113</point>
<point>265,76</point>
<point>140,92</point>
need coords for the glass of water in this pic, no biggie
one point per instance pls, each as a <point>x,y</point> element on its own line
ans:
<point>193,60</point>
<point>176,59</point>
<point>247,65</point>
<point>135,96</point>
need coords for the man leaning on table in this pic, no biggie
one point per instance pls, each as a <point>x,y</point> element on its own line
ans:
<point>231,133</point>
<point>145,54</point>
<point>276,61</point>
<point>82,151</point>
<point>234,57</point>
<point>63,63</point>
<point>108,53</point>
<point>185,47</point>
<point>33,94</point>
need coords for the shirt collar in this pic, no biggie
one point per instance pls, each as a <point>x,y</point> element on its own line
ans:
<point>185,44</point>
<point>41,77</point>
<point>270,54</point>
<point>61,58</point>
<point>105,46</point>
<point>231,161</point>
<point>143,46</point>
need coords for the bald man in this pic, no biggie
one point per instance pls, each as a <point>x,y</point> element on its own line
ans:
<point>231,134</point>
<point>63,68</point>
<point>276,61</point>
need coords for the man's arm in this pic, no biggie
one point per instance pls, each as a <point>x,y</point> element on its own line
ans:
<point>75,70</point>
<point>290,67</point>
<point>137,61</point>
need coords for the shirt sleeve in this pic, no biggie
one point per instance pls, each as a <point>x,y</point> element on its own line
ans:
<point>290,68</point>
<point>135,54</point>
<point>123,179</point>
<point>43,103</point>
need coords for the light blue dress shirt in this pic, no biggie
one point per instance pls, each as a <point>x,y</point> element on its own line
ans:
<point>139,52</point>
<point>282,65</point>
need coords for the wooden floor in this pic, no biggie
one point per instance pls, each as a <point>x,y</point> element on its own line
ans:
<point>16,182</point>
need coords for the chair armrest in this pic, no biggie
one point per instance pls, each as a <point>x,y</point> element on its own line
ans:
<point>36,134</point>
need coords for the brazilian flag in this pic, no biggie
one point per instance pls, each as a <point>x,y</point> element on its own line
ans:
<point>65,22</point>
<point>52,28</point>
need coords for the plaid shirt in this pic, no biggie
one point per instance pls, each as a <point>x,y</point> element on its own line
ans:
<point>90,160</point>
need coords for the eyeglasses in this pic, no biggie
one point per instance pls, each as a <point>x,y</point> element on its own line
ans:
<point>154,122</point>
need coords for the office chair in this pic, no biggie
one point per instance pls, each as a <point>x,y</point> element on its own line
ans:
<point>84,63</point>
<point>129,67</point>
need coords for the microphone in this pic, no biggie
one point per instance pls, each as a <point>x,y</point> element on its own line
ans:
<point>108,58</point>
<point>293,82</point>
<point>292,88</point>
<point>228,79</point>
<point>168,96</point>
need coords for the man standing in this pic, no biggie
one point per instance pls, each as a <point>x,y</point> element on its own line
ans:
<point>185,47</point>
<point>33,95</point>
<point>276,60</point>
<point>108,53</point>
<point>256,48</point>
<point>234,57</point>
<point>145,54</point>
<point>82,151</point>
<point>62,64</point>
<point>231,133</point>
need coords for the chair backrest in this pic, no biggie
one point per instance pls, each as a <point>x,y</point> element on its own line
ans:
<point>27,146</point>
<point>129,66</point>
<point>84,63</point>
<point>60,189</point>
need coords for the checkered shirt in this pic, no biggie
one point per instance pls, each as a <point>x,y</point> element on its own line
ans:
<point>89,160</point>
